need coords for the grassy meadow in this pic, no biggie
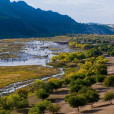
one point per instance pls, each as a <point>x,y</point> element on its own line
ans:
<point>13,74</point>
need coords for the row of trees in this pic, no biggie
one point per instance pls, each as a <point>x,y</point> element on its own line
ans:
<point>14,101</point>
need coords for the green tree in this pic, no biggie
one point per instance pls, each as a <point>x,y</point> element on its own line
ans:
<point>108,97</point>
<point>55,83</point>
<point>100,78</point>
<point>109,81</point>
<point>42,94</point>
<point>23,93</point>
<point>53,108</point>
<point>76,101</point>
<point>39,107</point>
<point>92,96</point>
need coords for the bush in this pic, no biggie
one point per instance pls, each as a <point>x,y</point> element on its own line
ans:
<point>85,89</point>
<point>76,101</point>
<point>70,95</point>
<point>108,97</point>
<point>42,94</point>
<point>53,108</point>
<point>109,81</point>
<point>4,112</point>
<point>75,88</point>
<point>91,79</point>
<point>100,78</point>
<point>38,84</point>
<point>4,104</point>
<point>23,93</point>
<point>13,101</point>
<point>40,107</point>
<point>23,103</point>
<point>92,96</point>
<point>66,81</point>
<point>55,83</point>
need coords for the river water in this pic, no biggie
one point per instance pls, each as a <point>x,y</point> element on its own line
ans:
<point>34,53</point>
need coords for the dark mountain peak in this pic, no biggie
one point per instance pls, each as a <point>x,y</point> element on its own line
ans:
<point>18,19</point>
<point>22,3</point>
<point>4,1</point>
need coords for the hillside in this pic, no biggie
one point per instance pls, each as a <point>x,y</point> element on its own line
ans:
<point>18,19</point>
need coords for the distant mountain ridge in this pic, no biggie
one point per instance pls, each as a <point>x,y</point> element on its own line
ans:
<point>18,19</point>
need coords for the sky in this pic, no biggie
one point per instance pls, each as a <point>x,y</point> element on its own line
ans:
<point>84,11</point>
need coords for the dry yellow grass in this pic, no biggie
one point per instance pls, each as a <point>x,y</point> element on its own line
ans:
<point>13,74</point>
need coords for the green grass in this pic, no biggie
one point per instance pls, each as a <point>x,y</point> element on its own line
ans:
<point>13,74</point>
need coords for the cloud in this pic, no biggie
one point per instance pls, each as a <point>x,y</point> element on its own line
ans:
<point>101,11</point>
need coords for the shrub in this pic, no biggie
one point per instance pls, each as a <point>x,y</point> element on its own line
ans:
<point>70,95</point>
<point>109,81</point>
<point>42,94</point>
<point>100,78</point>
<point>92,96</point>
<point>53,108</point>
<point>84,90</point>
<point>91,79</point>
<point>75,88</point>
<point>23,103</point>
<point>108,97</point>
<point>4,111</point>
<point>76,101</point>
<point>39,107</point>
<point>23,93</point>
<point>55,83</point>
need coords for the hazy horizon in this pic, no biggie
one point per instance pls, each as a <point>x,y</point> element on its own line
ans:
<point>84,11</point>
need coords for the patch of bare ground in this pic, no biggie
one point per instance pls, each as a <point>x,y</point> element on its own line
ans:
<point>111,65</point>
<point>99,107</point>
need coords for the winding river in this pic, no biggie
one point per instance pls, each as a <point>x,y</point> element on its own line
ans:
<point>34,53</point>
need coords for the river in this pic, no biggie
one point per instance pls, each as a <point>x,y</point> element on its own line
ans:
<point>34,53</point>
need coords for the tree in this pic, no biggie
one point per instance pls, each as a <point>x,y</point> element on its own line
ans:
<point>42,94</point>
<point>108,97</point>
<point>100,78</point>
<point>101,69</point>
<point>54,59</point>
<point>38,84</point>
<point>92,96</point>
<point>55,83</point>
<point>53,108</point>
<point>23,93</point>
<point>39,107</point>
<point>85,89</point>
<point>76,101</point>
<point>109,81</point>
<point>70,95</point>
<point>75,88</point>
<point>91,79</point>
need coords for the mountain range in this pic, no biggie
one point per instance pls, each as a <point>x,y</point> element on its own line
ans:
<point>18,19</point>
